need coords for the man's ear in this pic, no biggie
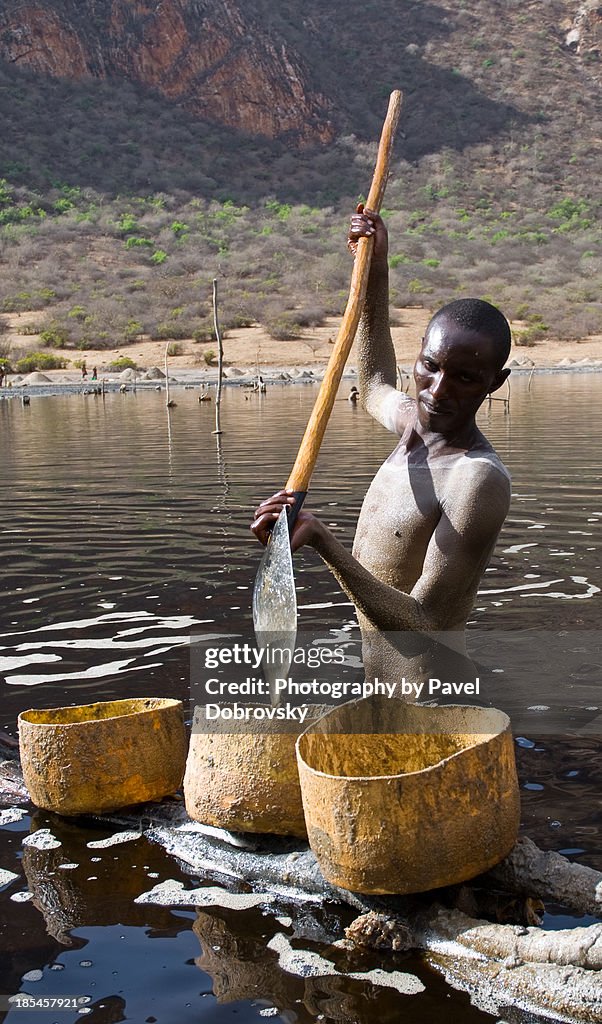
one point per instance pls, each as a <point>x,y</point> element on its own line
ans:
<point>499,379</point>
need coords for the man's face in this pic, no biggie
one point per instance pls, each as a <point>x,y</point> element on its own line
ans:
<point>455,370</point>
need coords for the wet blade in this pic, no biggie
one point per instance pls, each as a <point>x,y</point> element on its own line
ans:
<point>275,601</point>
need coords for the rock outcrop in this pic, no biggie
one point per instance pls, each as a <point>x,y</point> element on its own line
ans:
<point>584,34</point>
<point>213,58</point>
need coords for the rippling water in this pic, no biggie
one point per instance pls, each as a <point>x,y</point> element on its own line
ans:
<point>122,529</point>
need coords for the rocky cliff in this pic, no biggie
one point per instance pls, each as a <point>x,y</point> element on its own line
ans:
<point>213,58</point>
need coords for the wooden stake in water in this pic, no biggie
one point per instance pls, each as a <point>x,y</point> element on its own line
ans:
<point>167,401</point>
<point>220,360</point>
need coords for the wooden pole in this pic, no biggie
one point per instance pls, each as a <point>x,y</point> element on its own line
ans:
<point>314,432</point>
<point>166,375</point>
<point>220,360</point>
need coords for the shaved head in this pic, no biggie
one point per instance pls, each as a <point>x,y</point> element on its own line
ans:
<point>481,317</point>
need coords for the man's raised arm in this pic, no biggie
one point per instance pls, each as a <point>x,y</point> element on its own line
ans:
<point>376,355</point>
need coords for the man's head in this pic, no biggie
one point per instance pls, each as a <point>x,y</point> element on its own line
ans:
<point>461,361</point>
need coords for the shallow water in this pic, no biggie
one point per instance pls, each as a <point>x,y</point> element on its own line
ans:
<point>123,529</point>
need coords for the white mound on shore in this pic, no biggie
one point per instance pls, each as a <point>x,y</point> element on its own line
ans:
<point>154,373</point>
<point>35,378</point>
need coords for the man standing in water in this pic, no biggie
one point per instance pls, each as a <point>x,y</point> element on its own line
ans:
<point>431,516</point>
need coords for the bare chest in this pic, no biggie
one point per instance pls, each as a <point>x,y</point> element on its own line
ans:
<point>399,516</point>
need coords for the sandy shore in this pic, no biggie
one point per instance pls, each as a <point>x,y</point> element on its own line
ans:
<point>252,351</point>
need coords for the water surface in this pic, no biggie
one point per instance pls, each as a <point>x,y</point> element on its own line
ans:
<point>124,529</point>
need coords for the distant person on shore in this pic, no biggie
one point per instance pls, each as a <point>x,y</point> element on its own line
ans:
<point>94,373</point>
<point>432,514</point>
<point>1,376</point>
<point>84,371</point>
<point>353,396</point>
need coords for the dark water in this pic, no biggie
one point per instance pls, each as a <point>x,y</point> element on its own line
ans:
<point>121,532</point>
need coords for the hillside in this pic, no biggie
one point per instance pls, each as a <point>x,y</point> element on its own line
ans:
<point>148,147</point>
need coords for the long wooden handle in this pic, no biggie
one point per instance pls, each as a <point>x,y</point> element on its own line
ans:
<point>314,432</point>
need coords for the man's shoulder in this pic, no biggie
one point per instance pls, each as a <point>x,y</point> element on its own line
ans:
<point>483,459</point>
<point>481,474</point>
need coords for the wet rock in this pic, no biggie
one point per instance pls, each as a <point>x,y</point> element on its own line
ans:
<point>379,931</point>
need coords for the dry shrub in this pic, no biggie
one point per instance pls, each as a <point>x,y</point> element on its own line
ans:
<point>283,327</point>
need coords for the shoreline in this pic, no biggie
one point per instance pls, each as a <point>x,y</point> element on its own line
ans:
<point>249,351</point>
<point>193,378</point>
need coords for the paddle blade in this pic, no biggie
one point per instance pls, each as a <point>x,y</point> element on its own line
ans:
<point>275,600</point>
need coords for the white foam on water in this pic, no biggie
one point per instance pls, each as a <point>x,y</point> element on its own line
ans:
<point>114,840</point>
<point>43,839</point>
<point>582,581</point>
<point>590,590</point>
<point>521,586</point>
<point>10,814</point>
<point>307,963</point>
<point>94,672</point>
<point>6,877</point>
<point>173,894</point>
<point>164,621</point>
<point>8,664</point>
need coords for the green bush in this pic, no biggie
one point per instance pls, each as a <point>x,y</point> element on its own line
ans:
<point>209,355</point>
<point>122,363</point>
<point>40,361</point>
<point>55,336</point>
<point>18,303</point>
<point>127,223</point>
<point>205,331</point>
<point>132,329</point>
<point>175,331</point>
<point>532,334</point>
<point>136,242</point>
<point>5,365</point>
<point>175,349</point>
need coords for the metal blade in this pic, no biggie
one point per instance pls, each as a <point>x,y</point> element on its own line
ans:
<point>275,601</point>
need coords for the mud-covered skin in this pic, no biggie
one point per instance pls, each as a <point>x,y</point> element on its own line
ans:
<point>431,516</point>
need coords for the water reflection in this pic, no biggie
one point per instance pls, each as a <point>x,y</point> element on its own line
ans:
<point>235,956</point>
<point>76,885</point>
